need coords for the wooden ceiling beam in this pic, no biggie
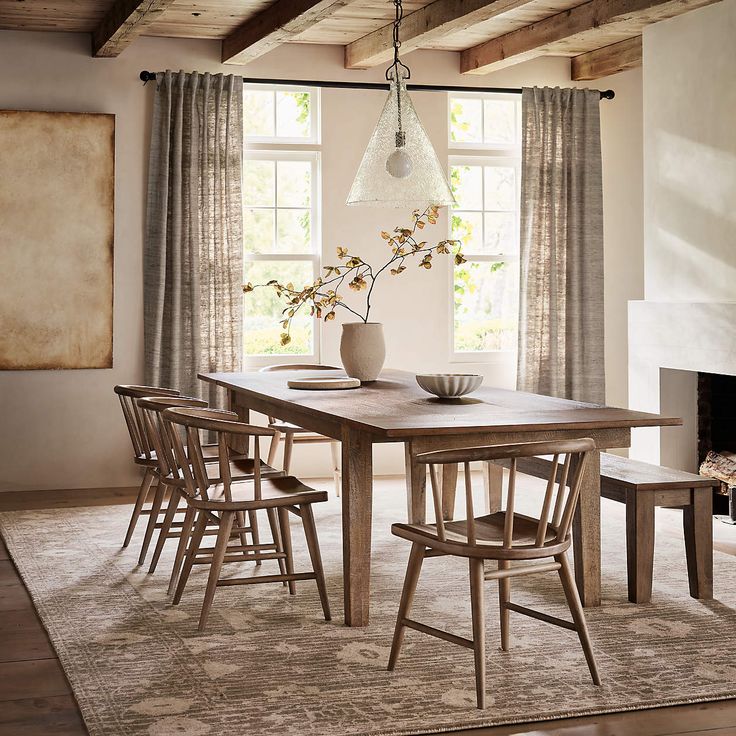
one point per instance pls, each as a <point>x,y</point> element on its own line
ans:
<point>572,32</point>
<point>612,59</point>
<point>277,24</point>
<point>430,23</point>
<point>124,22</point>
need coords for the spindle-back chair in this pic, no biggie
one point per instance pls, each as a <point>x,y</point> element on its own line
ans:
<point>223,499</point>
<point>143,452</point>
<point>294,434</point>
<point>539,543</point>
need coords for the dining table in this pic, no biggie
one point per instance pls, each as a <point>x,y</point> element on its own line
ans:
<point>395,409</point>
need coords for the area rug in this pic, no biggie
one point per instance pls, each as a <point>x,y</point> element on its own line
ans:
<point>268,665</point>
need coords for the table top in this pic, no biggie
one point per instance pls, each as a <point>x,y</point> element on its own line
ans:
<point>395,407</point>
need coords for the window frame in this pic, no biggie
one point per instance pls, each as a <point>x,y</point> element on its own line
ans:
<point>479,154</point>
<point>276,148</point>
<point>314,113</point>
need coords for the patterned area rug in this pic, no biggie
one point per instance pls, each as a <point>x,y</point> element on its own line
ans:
<point>269,665</point>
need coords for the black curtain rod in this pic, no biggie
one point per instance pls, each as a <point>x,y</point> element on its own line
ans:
<point>607,94</point>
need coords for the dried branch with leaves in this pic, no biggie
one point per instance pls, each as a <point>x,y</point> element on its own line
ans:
<point>323,297</point>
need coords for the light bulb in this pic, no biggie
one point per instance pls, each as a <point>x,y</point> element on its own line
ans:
<point>399,164</point>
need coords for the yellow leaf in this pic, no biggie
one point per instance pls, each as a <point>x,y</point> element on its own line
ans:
<point>420,224</point>
<point>385,235</point>
<point>285,339</point>
<point>329,316</point>
<point>248,287</point>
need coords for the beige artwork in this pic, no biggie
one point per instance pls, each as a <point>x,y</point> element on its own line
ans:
<point>56,240</point>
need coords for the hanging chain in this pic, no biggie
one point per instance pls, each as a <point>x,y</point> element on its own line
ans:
<point>396,67</point>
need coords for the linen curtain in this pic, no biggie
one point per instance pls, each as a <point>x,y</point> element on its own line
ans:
<point>561,249</point>
<point>193,260</point>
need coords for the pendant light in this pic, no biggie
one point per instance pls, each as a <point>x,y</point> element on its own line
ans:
<point>400,167</point>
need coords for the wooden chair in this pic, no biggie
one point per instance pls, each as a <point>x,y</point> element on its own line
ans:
<point>225,501</point>
<point>143,451</point>
<point>241,468</point>
<point>505,536</point>
<point>293,434</point>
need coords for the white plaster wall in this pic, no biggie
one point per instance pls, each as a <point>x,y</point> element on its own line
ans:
<point>63,429</point>
<point>690,156</point>
<point>689,222</point>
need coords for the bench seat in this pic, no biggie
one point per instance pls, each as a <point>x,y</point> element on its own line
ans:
<point>643,487</point>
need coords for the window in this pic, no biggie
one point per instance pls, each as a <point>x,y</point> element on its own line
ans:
<point>281,215</point>
<point>485,149</point>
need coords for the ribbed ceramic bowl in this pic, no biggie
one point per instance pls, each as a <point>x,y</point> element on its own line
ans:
<point>449,385</point>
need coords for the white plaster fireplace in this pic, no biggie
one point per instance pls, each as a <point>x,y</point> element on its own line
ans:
<point>683,336</point>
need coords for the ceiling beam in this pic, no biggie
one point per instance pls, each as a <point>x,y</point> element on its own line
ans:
<point>430,23</point>
<point>124,22</point>
<point>277,24</point>
<point>573,32</point>
<point>618,57</point>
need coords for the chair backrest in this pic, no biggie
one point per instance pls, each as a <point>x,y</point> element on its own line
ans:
<point>133,417</point>
<point>151,409</point>
<point>560,497</point>
<point>185,427</point>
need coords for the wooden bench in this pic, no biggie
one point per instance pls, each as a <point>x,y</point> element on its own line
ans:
<point>642,487</point>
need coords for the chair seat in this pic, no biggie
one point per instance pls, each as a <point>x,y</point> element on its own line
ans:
<point>488,532</point>
<point>285,490</point>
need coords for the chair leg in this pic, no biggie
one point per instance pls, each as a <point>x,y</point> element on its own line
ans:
<point>276,534</point>
<point>288,447</point>
<point>273,449</point>
<point>194,544</point>
<point>158,500</point>
<point>139,502</point>
<point>181,548</point>
<point>477,579</point>
<point>218,555</point>
<point>253,519</point>
<point>310,532</point>
<point>336,472</point>
<point>697,520</point>
<point>640,544</point>
<point>504,597</point>
<point>163,532</point>
<point>413,568</point>
<point>576,609</point>
<point>286,541</point>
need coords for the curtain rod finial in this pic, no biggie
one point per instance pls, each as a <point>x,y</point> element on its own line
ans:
<point>146,76</point>
<point>608,94</point>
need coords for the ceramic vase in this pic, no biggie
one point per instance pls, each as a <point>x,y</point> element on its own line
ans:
<point>362,349</point>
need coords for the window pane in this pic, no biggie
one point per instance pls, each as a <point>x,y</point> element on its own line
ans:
<point>293,231</point>
<point>499,122</point>
<point>499,233</point>
<point>467,186</point>
<point>293,117</point>
<point>465,120</point>
<point>500,188</point>
<point>262,310</point>
<point>258,118</point>
<point>468,228</point>
<point>258,230</point>
<point>259,182</point>
<point>486,305</point>
<point>294,184</point>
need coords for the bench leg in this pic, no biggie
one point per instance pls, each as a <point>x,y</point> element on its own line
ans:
<point>697,520</point>
<point>640,544</point>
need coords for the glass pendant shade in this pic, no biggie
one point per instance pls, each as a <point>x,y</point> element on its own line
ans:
<point>400,167</point>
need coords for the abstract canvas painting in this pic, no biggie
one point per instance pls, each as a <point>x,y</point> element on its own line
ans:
<point>57,178</point>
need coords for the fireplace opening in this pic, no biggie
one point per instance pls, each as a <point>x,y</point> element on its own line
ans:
<point>717,437</point>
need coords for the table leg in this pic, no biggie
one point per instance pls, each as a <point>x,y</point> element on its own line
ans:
<point>237,444</point>
<point>416,486</point>
<point>357,507</point>
<point>493,485</point>
<point>587,533</point>
<point>449,488</point>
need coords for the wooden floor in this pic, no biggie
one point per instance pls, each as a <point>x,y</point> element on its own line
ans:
<point>36,700</point>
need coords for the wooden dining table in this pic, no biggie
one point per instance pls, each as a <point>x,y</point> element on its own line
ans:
<point>395,409</point>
